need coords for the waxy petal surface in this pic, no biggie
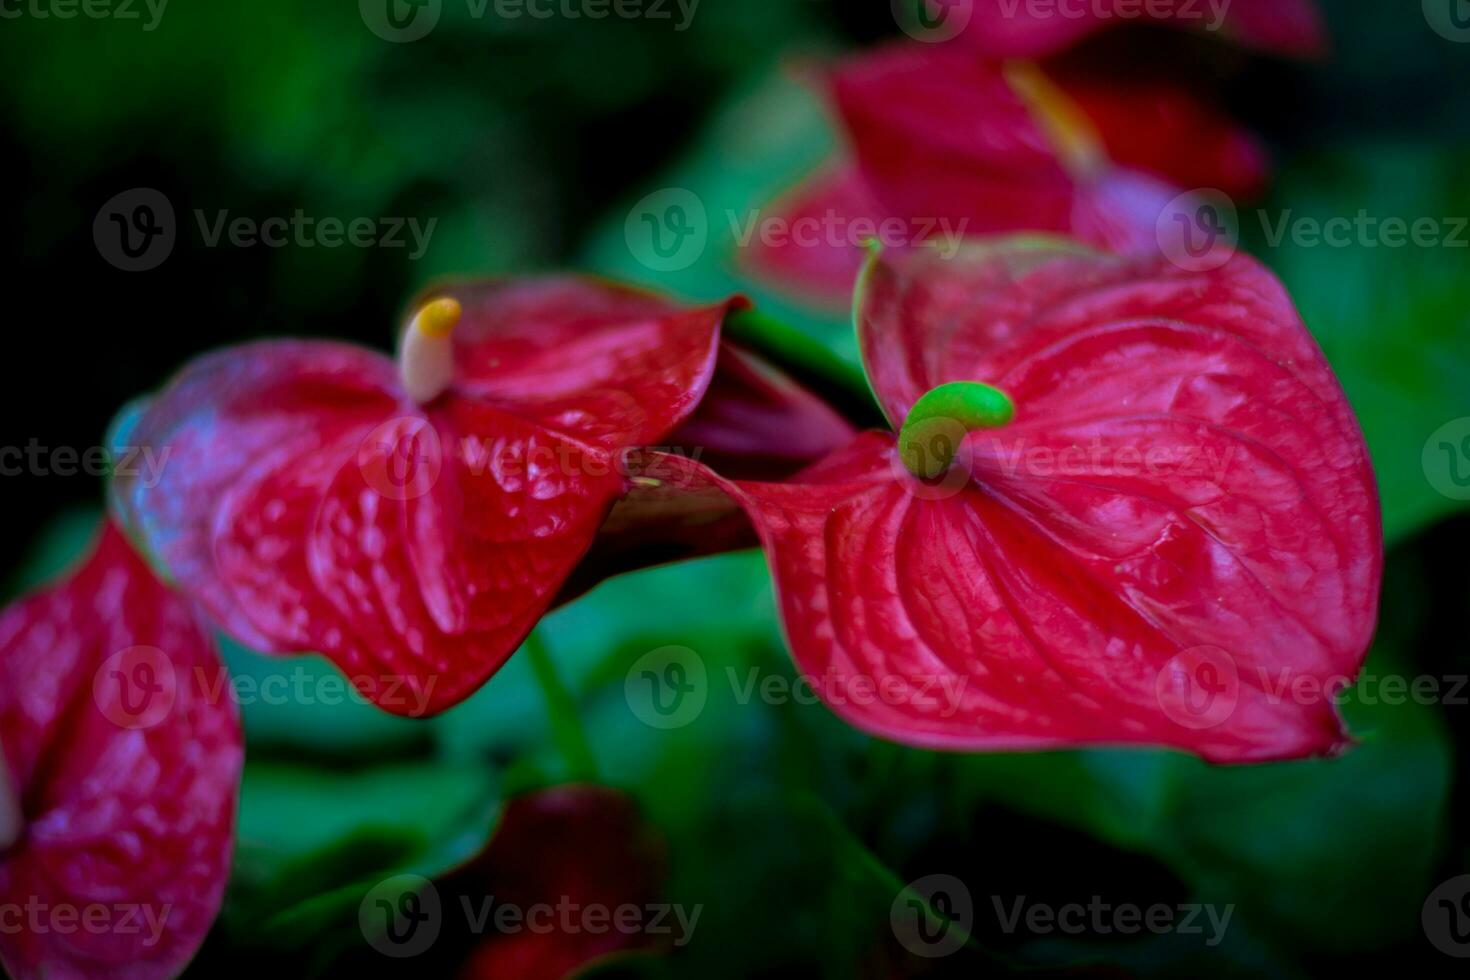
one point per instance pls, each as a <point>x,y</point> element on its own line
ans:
<point>123,746</point>
<point>1178,530</point>
<point>311,506</point>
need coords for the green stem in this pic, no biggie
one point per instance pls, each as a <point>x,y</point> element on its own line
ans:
<point>938,422</point>
<point>561,708</point>
<point>843,385</point>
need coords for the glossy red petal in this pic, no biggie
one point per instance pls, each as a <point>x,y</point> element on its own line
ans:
<point>127,792</point>
<point>576,846</point>
<point>1157,123</point>
<point>312,507</point>
<point>1177,531</point>
<point>949,146</point>
<point>939,134</point>
<point>1018,29</point>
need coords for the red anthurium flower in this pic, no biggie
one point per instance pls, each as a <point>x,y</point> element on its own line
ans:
<point>565,858</point>
<point>947,145</point>
<point>1150,118</point>
<point>121,760</point>
<point>1144,512</point>
<point>1024,29</point>
<point>413,520</point>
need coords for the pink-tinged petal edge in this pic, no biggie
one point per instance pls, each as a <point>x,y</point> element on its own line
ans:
<point>124,751</point>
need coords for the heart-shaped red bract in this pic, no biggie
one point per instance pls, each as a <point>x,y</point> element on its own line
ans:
<point>312,506</point>
<point>1028,29</point>
<point>123,747</point>
<point>1179,527</point>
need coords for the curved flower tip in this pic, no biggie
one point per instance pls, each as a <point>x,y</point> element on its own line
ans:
<point>581,847</point>
<point>312,502</point>
<point>1006,29</point>
<point>121,754</point>
<point>1176,536</point>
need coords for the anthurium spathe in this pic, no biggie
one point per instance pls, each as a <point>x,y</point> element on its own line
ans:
<point>1020,29</point>
<point>413,520</point>
<point>121,752</point>
<point>1135,507</point>
<point>946,145</point>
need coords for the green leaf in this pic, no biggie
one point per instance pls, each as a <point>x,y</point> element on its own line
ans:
<point>313,841</point>
<point>1393,321</point>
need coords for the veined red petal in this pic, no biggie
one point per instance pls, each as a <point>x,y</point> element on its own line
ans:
<point>311,506</point>
<point>940,134</point>
<point>1179,528</point>
<point>1014,29</point>
<point>124,746</point>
